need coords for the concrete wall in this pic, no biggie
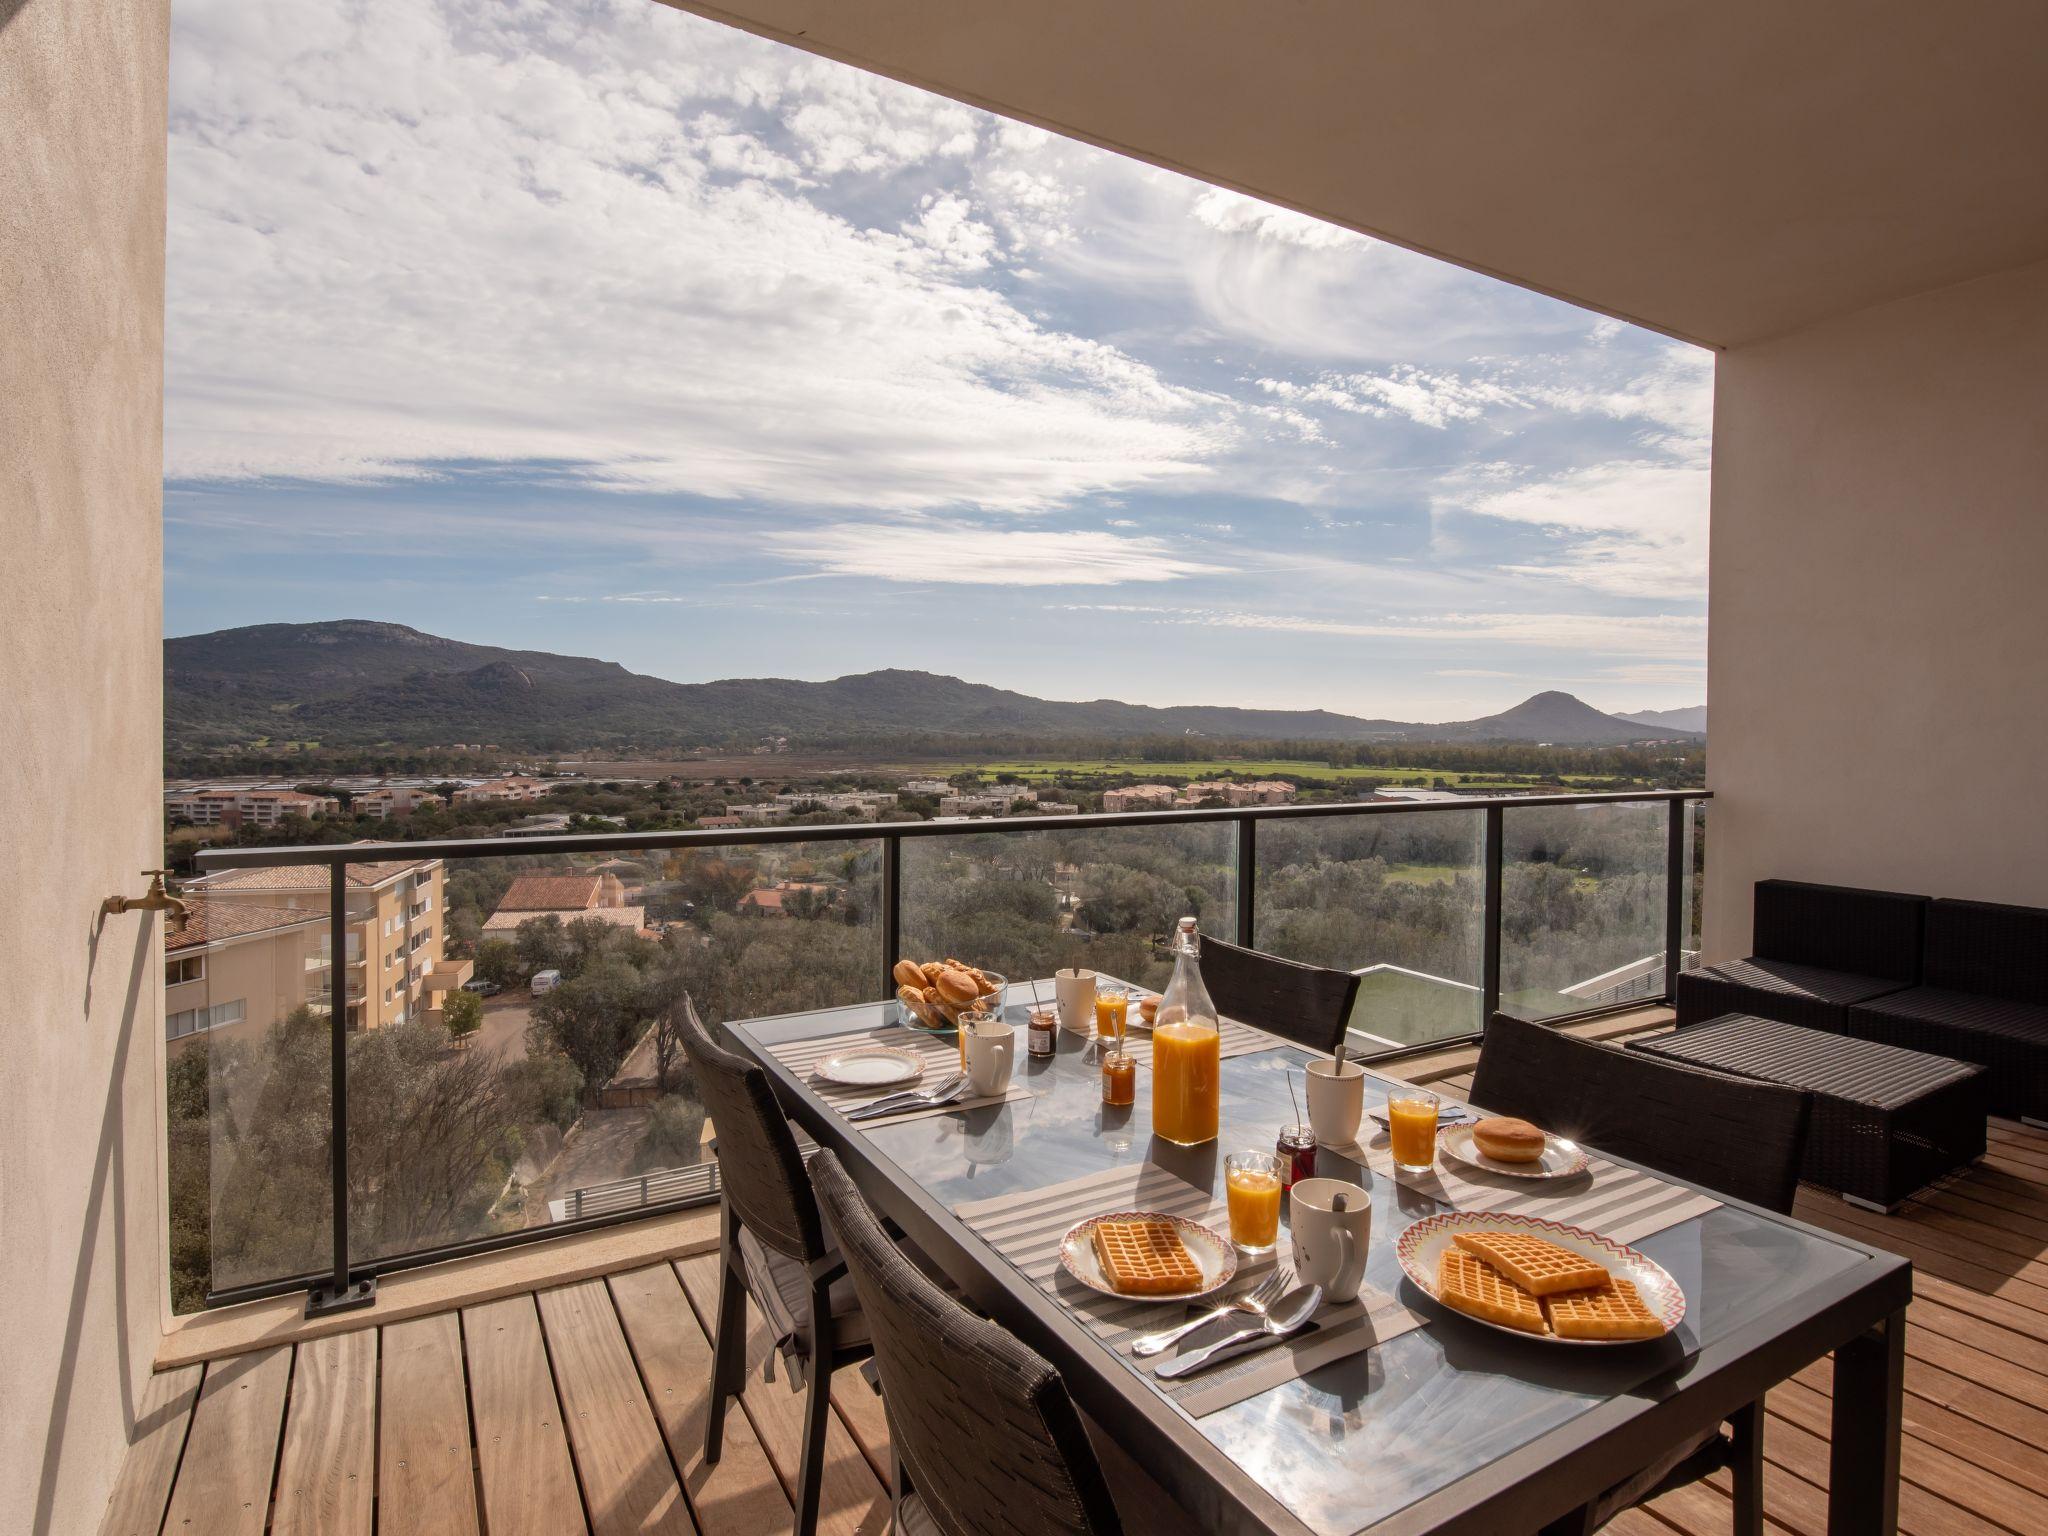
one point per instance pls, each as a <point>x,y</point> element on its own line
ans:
<point>1878,650</point>
<point>82,1269</point>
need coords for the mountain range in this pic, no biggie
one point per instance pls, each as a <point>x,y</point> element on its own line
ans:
<point>359,682</point>
<point>1692,718</point>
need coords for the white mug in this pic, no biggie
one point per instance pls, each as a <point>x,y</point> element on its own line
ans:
<point>1330,1246</point>
<point>1336,1102</point>
<point>991,1048</point>
<point>1074,992</point>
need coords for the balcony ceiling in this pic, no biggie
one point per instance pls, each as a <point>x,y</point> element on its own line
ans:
<point>1722,172</point>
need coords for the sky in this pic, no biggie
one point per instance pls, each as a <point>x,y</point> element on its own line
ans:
<point>593,327</point>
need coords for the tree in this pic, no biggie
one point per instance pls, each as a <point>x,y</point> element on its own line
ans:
<point>462,1014</point>
<point>674,1137</point>
<point>544,1088</point>
<point>541,945</point>
<point>498,960</point>
<point>592,1019</point>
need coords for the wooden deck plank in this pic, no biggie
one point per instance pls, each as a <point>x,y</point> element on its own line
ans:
<point>327,1474</point>
<point>529,1484</point>
<point>1790,1445</point>
<point>224,1481</point>
<point>142,1490</point>
<point>854,1500</point>
<point>426,1472</point>
<point>741,1493</point>
<point>629,1487</point>
<point>860,1409</point>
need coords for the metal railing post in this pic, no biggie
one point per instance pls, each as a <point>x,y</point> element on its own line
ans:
<point>1490,937</point>
<point>342,1292</point>
<point>1247,878</point>
<point>892,912</point>
<point>1676,876</point>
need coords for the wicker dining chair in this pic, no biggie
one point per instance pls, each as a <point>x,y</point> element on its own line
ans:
<point>981,1429</point>
<point>1307,1004</point>
<point>1733,1135</point>
<point>772,1247</point>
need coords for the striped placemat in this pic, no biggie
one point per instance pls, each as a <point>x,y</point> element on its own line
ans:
<point>1026,1229</point>
<point>1235,1039</point>
<point>1617,1202</point>
<point>940,1053</point>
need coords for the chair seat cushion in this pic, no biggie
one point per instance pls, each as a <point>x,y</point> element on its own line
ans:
<point>2009,1037</point>
<point>914,1518</point>
<point>1775,989</point>
<point>781,1287</point>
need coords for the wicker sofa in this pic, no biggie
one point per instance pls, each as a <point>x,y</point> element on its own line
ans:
<point>1983,998</point>
<point>1819,951</point>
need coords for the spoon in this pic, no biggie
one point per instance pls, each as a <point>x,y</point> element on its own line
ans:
<point>945,1093</point>
<point>1290,1314</point>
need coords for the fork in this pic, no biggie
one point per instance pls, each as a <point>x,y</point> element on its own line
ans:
<point>1254,1301</point>
<point>895,1103</point>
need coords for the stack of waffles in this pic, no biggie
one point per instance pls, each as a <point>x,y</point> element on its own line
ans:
<point>1145,1257</point>
<point>1520,1281</point>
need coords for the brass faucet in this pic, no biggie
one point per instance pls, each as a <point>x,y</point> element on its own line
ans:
<point>155,899</point>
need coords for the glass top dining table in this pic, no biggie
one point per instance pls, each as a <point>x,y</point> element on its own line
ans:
<point>1448,1427</point>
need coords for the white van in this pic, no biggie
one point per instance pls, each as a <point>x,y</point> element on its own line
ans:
<point>546,981</point>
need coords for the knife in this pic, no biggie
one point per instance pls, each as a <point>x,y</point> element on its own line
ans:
<point>1285,1318</point>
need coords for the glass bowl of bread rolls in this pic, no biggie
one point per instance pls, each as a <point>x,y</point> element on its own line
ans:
<point>938,994</point>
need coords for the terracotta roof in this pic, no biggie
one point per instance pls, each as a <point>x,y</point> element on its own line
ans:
<point>209,922</point>
<point>309,877</point>
<point>502,921</point>
<point>550,893</point>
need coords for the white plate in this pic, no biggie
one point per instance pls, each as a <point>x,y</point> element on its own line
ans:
<point>1421,1247</point>
<point>872,1066</point>
<point>1211,1251</point>
<point>1561,1158</point>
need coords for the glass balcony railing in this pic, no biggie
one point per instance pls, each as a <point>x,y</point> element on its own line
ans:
<point>507,1065</point>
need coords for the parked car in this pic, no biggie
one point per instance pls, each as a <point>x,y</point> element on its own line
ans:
<point>481,987</point>
<point>546,981</point>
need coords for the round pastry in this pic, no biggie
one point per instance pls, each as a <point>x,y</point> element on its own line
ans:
<point>957,986</point>
<point>932,970</point>
<point>909,973</point>
<point>1148,1009</point>
<point>1507,1140</point>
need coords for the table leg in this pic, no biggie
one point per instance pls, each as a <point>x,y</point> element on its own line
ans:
<point>1863,1456</point>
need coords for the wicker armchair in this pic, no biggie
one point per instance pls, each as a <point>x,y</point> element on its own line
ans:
<point>772,1246</point>
<point>984,1435</point>
<point>1819,950</point>
<point>1304,1003</point>
<point>1985,1000</point>
<point>1734,1135</point>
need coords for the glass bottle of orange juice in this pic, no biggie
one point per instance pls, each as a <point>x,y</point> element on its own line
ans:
<point>1186,1049</point>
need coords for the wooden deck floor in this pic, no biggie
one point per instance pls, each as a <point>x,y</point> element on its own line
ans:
<point>580,1407</point>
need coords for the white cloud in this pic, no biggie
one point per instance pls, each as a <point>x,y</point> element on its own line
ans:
<point>958,554</point>
<point>1662,635</point>
<point>474,230</point>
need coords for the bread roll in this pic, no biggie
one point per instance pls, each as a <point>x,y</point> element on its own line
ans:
<point>909,974</point>
<point>1507,1140</point>
<point>957,986</point>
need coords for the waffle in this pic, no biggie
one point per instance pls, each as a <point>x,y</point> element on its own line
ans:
<point>1145,1257</point>
<point>1611,1311</point>
<point>1540,1268</point>
<point>1471,1286</point>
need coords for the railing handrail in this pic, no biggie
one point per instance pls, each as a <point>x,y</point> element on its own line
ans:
<point>865,831</point>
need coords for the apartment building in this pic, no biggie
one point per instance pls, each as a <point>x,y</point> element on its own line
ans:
<point>927,787</point>
<point>1240,792</point>
<point>862,804</point>
<point>492,791</point>
<point>245,807</point>
<point>395,800</point>
<point>236,968</point>
<point>1141,797</point>
<point>396,965</point>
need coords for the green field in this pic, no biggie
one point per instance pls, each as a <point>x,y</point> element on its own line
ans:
<point>1054,767</point>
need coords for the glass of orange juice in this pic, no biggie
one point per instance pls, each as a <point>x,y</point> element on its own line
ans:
<point>1411,1127</point>
<point>1111,1011</point>
<point>1251,1188</point>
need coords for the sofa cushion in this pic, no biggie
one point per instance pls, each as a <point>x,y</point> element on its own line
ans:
<point>2009,1037</point>
<point>1979,946</point>
<point>1840,928</point>
<point>1775,989</point>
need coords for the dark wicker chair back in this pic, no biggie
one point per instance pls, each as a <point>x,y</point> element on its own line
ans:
<point>1838,928</point>
<point>982,1424</point>
<point>1992,950</point>
<point>758,1164</point>
<point>1303,1003</point>
<point>1734,1135</point>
